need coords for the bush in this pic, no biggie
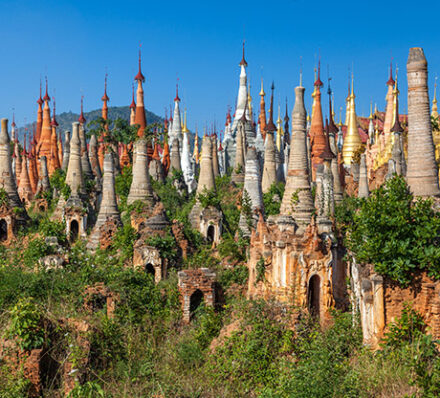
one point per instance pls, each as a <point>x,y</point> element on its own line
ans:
<point>272,199</point>
<point>394,232</point>
<point>26,325</point>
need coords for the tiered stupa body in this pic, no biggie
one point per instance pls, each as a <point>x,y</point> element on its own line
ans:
<point>422,173</point>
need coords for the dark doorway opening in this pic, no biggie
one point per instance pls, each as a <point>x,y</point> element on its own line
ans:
<point>313,296</point>
<point>3,230</point>
<point>194,303</point>
<point>210,233</point>
<point>74,230</point>
<point>149,269</point>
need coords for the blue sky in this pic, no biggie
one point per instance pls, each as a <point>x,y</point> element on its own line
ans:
<point>76,42</point>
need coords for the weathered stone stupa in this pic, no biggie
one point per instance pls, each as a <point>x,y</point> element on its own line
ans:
<point>422,173</point>
<point>208,221</point>
<point>141,185</point>
<point>251,192</point>
<point>108,220</point>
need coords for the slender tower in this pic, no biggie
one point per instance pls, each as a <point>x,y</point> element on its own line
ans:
<point>44,144</point>
<point>270,166</point>
<point>39,116</point>
<point>262,116</point>
<point>422,173</point>
<point>242,99</point>
<point>297,200</point>
<point>140,118</point>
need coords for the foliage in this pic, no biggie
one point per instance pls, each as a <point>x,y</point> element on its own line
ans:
<point>435,124</point>
<point>246,209</point>
<point>58,182</point>
<point>247,358</point>
<point>233,248</point>
<point>26,325</point>
<point>261,270</point>
<point>238,274</point>
<point>123,242</point>
<point>406,329</point>
<point>208,197</point>
<point>272,199</point>
<point>123,184</point>
<point>166,245</point>
<point>394,232</point>
<point>47,227</point>
<point>113,132</point>
<point>4,199</point>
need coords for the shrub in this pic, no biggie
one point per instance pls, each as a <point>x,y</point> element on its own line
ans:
<point>26,325</point>
<point>272,199</point>
<point>394,232</point>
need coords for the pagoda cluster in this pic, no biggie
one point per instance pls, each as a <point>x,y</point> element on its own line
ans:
<point>294,256</point>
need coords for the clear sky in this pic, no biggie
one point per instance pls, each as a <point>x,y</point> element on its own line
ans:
<point>76,42</point>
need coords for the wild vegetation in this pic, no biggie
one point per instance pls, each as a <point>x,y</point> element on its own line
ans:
<point>242,348</point>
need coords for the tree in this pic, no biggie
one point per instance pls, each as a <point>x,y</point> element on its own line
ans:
<point>391,230</point>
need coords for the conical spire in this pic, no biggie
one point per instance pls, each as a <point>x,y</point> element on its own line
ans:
<point>238,172</point>
<point>25,189</point>
<point>262,115</point>
<point>140,118</point>
<point>39,115</point>
<point>286,127</point>
<point>74,175</point>
<point>54,161</point>
<point>166,161</point>
<point>242,98</point>
<point>176,130</point>
<point>44,144</point>
<point>389,111</point>
<point>422,171</point>
<point>108,209</point>
<point>252,190</point>
<point>434,111</point>
<point>352,141</point>
<point>81,118</point>
<point>132,108</point>
<point>141,186</point>
<point>297,181</point>
<point>363,192</point>
<point>317,136</point>
<point>206,177</point>
<point>66,153</point>
<point>7,181</point>
<point>270,125</point>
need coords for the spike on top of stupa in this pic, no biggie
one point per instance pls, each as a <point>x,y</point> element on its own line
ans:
<point>81,118</point>
<point>54,120</point>
<point>177,99</point>
<point>139,76</point>
<point>105,97</point>
<point>133,104</point>
<point>40,100</point>
<point>46,96</point>
<point>318,82</point>
<point>243,61</point>
<point>391,81</point>
<point>270,124</point>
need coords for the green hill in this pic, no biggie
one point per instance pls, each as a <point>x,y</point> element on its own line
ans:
<point>66,119</point>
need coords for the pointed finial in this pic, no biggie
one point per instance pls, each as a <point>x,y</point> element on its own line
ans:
<point>371,111</point>
<point>13,118</point>
<point>81,118</point>
<point>300,72</point>
<point>40,101</point>
<point>243,61</point>
<point>133,104</point>
<point>262,93</point>
<point>391,81</point>
<point>177,91</point>
<point>105,97</point>
<point>140,77</point>
<point>54,120</point>
<point>46,96</point>
<point>286,116</point>
<point>435,90</point>
<point>318,82</point>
